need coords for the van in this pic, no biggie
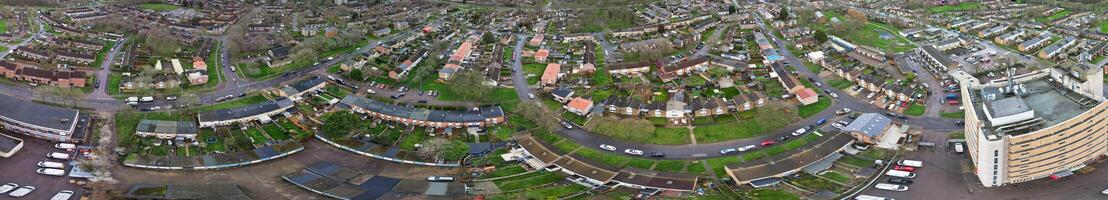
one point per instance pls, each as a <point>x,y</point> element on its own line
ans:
<point>910,163</point>
<point>57,155</point>
<point>132,99</point>
<point>52,172</point>
<point>891,187</point>
<point>440,179</point>
<point>901,174</point>
<point>958,147</point>
<point>48,164</point>
<point>147,99</point>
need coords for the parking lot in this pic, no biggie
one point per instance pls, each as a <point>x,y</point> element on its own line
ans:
<point>948,175</point>
<point>20,169</point>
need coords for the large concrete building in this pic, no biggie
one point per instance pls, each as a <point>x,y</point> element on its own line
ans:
<point>41,121</point>
<point>1047,123</point>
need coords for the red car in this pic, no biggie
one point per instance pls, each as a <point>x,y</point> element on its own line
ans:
<point>768,142</point>
<point>904,168</point>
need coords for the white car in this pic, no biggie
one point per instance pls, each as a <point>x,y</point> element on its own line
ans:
<point>51,171</point>
<point>838,126</point>
<point>22,191</point>
<point>57,155</point>
<point>607,147</point>
<point>8,187</point>
<point>530,95</point>
<point>800,131</point>
<point>747,148</point>
<point>63,195</point>
<point>633,152</point>
<point>891,187</point>
<point>48,164</point>
<point>727,151</point>
<point>66,146</point>
<point>1102,192</point>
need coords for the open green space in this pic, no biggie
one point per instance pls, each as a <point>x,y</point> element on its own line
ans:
<point>3,25</point>
<point>602,157</point>
<point>214,62</point>
<point>596,20</point>
<point>1056,16</point>
<point>670,165</point>
<point>1103,26</point>
<point>240,102</point>
<point>809,110</point>
<point>839,83</point>
<point>505,171</point>
<point>157,7</point>
<point>836,176</point>
<point>957,7</point>
<point>533,71</point>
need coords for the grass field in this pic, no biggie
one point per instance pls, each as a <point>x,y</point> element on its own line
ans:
<point>839,83</point>
<point>533,71</point>
<point>813,109</point>
<point>1055,16</point>
<point>527,181</point>
<point>3,25</point>
<point>959,7</point>
<point>1103,26</point>
<point>275,131</point>
<point>602,157</point>
<point>157,7</point>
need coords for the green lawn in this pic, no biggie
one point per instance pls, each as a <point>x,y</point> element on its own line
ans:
<point>276,132</point>
<point>413,138</point>
<point>505,171</point>
<point>1055,16</point>
<point>669,165</point>
<point>214,63</point>
<point>836,176</point>
<point>527,181</point>
<point>157,7</point>
<point>640,163</point>
<point>839,83</point>
<point>113,83</point>
<point>255,134</point>
<point>717,164</point>
<point>254,71</point>
<point>240,102</point>
<point>813,109</point>
<point>670,136</point>
<point>914,109</point>
<point>567,146</point>
<point>101,55</point>
<point>956,135</point>
<point>1103,26</point>
<point>533,68</point>
<point>771,194</point>
<point>959,7</point>
<point>815,183</point>
<point>217,146</point>
<point>953,114</point>
<point>3,25</point>
<point>611,159</point>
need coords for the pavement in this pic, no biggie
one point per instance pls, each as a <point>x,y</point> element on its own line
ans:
<point>20,169</point>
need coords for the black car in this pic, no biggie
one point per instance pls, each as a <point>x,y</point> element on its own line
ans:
<point>656,155</point>
<point>902,181</point>
<point>782,138</point>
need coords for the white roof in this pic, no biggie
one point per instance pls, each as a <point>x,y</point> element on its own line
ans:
<point>177,66</point>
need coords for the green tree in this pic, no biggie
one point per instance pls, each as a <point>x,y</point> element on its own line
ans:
<point>469,84</point>
<point>783,14</point>
<point>820,36</point>
<point>731,9</point>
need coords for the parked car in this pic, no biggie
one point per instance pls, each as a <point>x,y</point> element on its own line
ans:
<point>51,171</point>
<point>567,125</point>
<point>63,195</point>
<point>904,168</point>
<point>902,181</point>
<point>22,191</point>
<point>8,187</point>
<point>656,155</point>
<point>838,126</point>
<point>728,151</point>
<point>783,138</point>
<point>768,143</point>
<point>58,155</point>
<point>171,98</point>
<point>48,164</point>
<point>891,187</point>
<point>747,148</point>
<point>869,197</point>
<point>800,131</point>
<point>531,95</point>
<point>607,147</point>
<point>65,146</point>
<point>440,179</point>
<point>633,152</point>
<point>843,111</point>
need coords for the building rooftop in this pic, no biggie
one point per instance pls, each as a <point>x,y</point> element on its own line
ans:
<point>869,124</point>
<point>245,111</point>
<point>1031,104</point>
<point>37,114</point>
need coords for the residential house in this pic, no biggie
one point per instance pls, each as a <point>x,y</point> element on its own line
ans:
<point>167,130</point>
<point>550,75</point>
<point>579,106</point>
<point>480,117</point>
<point>296,90</point>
